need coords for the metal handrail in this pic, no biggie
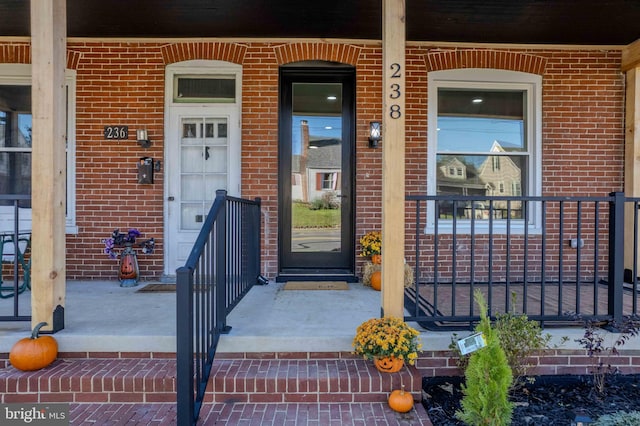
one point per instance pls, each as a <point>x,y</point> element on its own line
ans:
<point>221,268</point>
<point>15,237</point>
<point>565,249</point>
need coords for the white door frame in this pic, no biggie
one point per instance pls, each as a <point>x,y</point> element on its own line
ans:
<point>174,112</point>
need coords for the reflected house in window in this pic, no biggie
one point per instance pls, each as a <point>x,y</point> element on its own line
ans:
<point>495,175</point>
<point>15,140</point>
<point>316,170</point>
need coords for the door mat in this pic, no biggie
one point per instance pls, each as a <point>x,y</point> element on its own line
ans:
<point>157,288</point>
<point>316,285</point>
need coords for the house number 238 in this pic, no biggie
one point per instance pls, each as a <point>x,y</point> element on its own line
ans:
<point>394,109</point>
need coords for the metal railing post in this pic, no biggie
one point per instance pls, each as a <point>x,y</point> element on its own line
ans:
<point>257,232</point>
<point>616,255</point>
<point>221,265</point>
<point>184,352</point>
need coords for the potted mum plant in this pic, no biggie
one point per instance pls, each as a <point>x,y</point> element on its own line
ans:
<point>371,243</point>
<point>388,341</point>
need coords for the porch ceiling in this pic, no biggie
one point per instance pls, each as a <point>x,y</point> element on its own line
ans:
<point>582,22</point>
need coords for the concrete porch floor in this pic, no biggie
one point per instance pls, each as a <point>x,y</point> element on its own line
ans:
<point>101,316</point>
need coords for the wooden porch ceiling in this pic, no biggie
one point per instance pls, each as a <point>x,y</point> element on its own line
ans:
<point>580,22</point>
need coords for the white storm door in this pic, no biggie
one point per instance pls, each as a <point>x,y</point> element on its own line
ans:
<point>202,156</point>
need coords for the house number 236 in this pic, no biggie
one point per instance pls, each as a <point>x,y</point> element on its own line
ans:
<point>394,109</point>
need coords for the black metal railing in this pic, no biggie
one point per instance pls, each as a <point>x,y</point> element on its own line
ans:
<point>15,245</point>
<point>223,265</point>
<point>560,260</point>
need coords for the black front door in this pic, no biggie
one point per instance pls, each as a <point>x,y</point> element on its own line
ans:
<point>316,161</point>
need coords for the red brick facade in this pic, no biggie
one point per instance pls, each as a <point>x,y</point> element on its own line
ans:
<point>123,83</point>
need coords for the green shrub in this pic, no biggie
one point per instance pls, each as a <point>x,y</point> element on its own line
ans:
<point>621,418</point>
<point>488,379</point>
<point>328,201</point>
<point>520,338</point>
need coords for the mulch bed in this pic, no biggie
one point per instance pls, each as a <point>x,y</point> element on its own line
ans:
<point>550,400</point>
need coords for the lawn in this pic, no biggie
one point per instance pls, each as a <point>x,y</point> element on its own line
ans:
<point>303,217</point>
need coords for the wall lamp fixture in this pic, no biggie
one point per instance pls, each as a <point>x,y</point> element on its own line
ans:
<point>143,138</point>
<point>375,134</point>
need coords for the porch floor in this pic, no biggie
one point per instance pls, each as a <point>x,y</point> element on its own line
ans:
<point>101,316</point>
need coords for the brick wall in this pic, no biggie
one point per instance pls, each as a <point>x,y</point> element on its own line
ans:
<point>123,83</point>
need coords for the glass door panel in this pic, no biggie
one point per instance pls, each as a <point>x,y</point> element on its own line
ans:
<point>316,161</point>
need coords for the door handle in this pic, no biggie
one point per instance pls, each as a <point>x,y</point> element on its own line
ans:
<point>171,198</point>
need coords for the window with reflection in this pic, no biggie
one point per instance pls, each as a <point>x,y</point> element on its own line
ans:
<point>15,140</point>
<point>483,142</point>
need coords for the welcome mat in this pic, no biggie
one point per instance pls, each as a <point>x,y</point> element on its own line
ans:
<point>157,288</point>
<point>316,285</point>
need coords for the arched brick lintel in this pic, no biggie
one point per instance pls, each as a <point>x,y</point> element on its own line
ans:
<point>496,59</point>
<point>21,54</point>
<point>333,52</point>
<point>178,52</point>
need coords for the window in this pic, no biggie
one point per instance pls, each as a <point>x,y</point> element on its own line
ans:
<point>204,88</point>
<point>327,181</point>
<point>485,124</point>
<point>15,138</point>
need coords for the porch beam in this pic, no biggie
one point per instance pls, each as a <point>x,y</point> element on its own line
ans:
<point>393,156</point>
<point>631,56</point>
<point>48,173</point>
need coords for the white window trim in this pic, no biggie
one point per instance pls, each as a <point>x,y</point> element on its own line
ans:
<point>20,74</point>
<point>488,79</point>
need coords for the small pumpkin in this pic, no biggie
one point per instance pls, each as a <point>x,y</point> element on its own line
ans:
<point>35,352</point>
<point>376,259</point>
<point>376,280</point>
<point>401,401</point>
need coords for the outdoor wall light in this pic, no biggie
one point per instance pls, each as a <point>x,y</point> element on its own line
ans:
<point>143,138</point>
<point>375,134</point>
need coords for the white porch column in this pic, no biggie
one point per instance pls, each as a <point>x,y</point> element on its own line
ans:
<point>393,167</point>
<point>48,176</point>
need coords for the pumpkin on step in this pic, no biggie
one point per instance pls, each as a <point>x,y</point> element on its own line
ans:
<point>35,352</point>
<point>401,401</point>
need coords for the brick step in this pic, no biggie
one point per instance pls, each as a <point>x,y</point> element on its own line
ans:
<point>94,380</point>
<point>306,381</point>
<point>148,380</point>
<point>316,414</point>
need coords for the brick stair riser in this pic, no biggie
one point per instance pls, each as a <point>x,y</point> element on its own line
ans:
<point>283,381</point>
<point>92,381</point>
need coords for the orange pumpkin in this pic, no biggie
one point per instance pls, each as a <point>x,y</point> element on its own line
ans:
<point>376,259</point>
<point>400,401</point>
<point>376,280</point>
<point>35,352</point>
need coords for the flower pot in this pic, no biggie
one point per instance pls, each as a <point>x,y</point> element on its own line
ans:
<point>376,280</point>
<point>388,364</point>
<point>376,259</point>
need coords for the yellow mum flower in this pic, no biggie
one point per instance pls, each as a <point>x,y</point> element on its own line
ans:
<point>388,336</point>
